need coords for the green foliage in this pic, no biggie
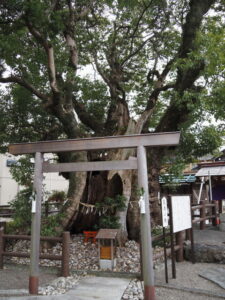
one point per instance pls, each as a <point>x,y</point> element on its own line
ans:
<point>22,171</point>
<point>109,222</point>
<point>51,225</point>
<point>158,230</point>
<point>114,204</point>
<point>111,206</point>
<point>196,143</point>
<point>22,118</point>
<point>57,196</point>
<point>21,206</point>
<point>21,224</point>
<point>139,192</point>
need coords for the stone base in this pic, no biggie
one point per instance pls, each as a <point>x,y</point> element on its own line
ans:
<point>206,253</point>
<point>222,218</point>
<point>222,226</point>
<point>107,264</point>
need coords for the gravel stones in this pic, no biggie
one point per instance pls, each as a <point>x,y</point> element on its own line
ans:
<point>134,291</point>
<point>84,256</point>
<point>60,285</point>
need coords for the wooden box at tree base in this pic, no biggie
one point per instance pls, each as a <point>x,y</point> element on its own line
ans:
<point>105,252</point>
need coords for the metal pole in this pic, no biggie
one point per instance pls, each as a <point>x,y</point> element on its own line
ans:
<point>165,255</point>
<point>210,187</point>
<point>200,192</point>
<point>1,247</point>
<point>36,225</point>
<point>172,239</point>
<point>146,240</point>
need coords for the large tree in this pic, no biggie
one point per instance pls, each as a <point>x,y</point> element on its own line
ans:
<point>152,66</point>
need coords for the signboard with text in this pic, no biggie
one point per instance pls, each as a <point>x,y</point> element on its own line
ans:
<point>181,213</point>
<point>165,219</point>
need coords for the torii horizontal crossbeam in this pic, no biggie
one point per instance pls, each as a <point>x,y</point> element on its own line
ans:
<point>130,164</point>
<point>112,142</point>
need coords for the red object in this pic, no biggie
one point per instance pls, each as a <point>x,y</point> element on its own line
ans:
<point>90,235</point>
<point>217,221</point>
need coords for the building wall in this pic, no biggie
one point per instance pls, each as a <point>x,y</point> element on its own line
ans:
<point>9,187</point>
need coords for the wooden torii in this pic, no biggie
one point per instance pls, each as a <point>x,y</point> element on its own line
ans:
<point>139,142</point>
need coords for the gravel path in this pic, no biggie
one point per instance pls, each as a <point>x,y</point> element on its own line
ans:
<point>184,287</point>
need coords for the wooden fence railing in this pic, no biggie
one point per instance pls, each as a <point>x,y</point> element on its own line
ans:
<point>64,257</point>
<point>207,211</point>
<point>179,247</point>
<point>6,211</point>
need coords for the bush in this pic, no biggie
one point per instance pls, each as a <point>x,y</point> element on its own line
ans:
<point>51,225</point>
<point>111,205</point>
<point>57,196</point>
<point>21,206</point>
<point>21,224</point>
<point>111,222</point>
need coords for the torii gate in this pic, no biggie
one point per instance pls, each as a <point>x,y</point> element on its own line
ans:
<point>140,163</point>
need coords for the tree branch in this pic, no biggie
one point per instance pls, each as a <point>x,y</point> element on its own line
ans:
<point>25,84</point>
<point>136,51</point>
<point>86,118</point>
<point>154,95</point>
<point>70,41</point>
<point>49,51</point>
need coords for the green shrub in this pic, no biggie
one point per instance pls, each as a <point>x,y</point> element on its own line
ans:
<point>109,222</point>
<point>21,206</point>
<point>111,206</point>
<point>57,196</point>
<point>21,224</point>
<point>51,225</point>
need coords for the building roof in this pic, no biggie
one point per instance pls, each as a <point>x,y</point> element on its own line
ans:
<point>212,171</point>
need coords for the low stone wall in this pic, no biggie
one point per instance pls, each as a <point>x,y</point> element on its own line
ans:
<point>206,253</point>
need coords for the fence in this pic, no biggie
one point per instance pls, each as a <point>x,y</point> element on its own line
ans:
<point>6,211</point>
<point>208,211</point>
<point>65,240</point>
<point>178,248</point>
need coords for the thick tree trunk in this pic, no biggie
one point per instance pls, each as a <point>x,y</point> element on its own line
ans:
<point>155,162</point>
<point>133,214</point>
<point>77,185</point>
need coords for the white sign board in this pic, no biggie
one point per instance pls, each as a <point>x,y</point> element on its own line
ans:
<point>164,212</point>
<point>181,213</point>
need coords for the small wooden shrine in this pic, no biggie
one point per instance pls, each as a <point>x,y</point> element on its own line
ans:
<point>107,248</point>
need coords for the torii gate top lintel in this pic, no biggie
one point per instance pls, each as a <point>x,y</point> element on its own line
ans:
<point>125,141</point>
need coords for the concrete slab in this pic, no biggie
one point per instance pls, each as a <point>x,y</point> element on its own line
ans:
<point>100,288</point>
<point>89,288</point>
<point>215,275</point>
